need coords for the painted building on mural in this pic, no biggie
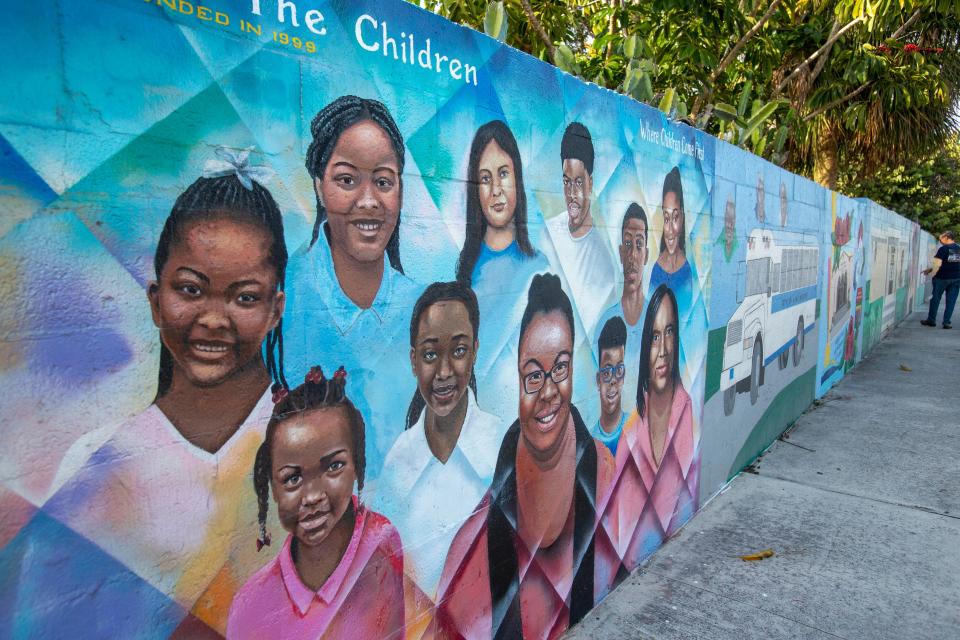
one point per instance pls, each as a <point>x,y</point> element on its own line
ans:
<point>336,319</point>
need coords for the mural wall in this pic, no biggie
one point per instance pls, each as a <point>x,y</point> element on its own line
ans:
<point>763,309</point>
<point>334,319</point>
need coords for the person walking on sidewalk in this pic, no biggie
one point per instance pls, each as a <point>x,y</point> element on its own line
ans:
<point>946,279</point>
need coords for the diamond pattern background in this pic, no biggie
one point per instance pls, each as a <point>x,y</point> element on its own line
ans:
<point>111,110</point>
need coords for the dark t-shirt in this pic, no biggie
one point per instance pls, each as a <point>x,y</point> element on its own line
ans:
<point>949,255</point>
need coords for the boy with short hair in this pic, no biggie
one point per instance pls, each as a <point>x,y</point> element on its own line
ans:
<point>611,345</point>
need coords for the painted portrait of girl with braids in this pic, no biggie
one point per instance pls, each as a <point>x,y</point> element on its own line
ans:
<point>165,494</point>
<point>347,289</point>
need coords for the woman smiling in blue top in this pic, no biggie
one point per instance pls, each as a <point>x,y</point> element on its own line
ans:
<point>672,267</point>
<point>343,295</point>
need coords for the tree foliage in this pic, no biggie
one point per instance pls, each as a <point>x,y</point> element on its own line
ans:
<point>814,85</point>
<point>927,188</point>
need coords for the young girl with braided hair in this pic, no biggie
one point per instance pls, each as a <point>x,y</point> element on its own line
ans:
<point>348,290</point>
<point>339,572</point>
<point>164,494</point>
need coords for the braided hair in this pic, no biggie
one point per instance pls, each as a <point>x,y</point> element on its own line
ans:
<point>663,292</point>
<point>225,197</point>
<point>316,392</point>
<point>494,131</point>
<point>440,292</point>
<point>673,184</point>
<point>327,127</point>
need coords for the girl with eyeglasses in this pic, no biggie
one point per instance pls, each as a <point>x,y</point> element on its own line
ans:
<point>509,570</point>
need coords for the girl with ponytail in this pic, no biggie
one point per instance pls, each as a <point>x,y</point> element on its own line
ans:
<point>441,465</point>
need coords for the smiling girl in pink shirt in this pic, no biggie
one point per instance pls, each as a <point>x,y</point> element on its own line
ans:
<point>340,571</point>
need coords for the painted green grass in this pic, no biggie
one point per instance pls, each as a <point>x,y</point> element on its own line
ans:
<point>792,401</point>
<point>715,343</point>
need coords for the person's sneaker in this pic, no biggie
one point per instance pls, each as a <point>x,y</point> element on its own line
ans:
<point>947,326</point>
<point>927,323</point>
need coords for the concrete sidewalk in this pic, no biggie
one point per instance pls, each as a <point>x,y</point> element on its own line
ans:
<point>861,505</point>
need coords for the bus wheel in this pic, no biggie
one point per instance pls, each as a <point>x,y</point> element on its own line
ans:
<point>755,374</point>
<point>798,344</point>
<point>729,399</point>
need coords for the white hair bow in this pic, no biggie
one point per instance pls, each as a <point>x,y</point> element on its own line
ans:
<point>230,162</point>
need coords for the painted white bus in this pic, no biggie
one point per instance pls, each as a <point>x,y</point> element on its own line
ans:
<point>777,292</point>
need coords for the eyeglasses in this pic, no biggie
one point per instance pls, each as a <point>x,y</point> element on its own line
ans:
<point>610,372</point>
<point>534,381</point>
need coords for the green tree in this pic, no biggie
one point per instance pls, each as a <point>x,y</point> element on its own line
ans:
<point>814,85</point>
<point>927,188</point>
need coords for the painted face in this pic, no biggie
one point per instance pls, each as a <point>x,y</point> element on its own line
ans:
<point>313,473</point>
<point>443,356</point>
<point>610,380</point>
<point>663,342</point>
<point>216,299</point>
<point>497,186</point>
<point>577,188</point>
<point>761,204</point>
<point>783,205</point>
<point>730,224</point>
<point>633,253</point>
<point>545,348</point>
<point>672,222</point>
<point>361,191</point>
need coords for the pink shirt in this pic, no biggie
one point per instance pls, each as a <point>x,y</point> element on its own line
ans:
<point>465,604</point>
<point>650,501</point>
<point>362,598</point>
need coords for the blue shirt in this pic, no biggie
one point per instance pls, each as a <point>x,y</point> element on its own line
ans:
<point>322,326</point>
<point>675,280</point>
<point>631,351</point>
<point>609,439</point>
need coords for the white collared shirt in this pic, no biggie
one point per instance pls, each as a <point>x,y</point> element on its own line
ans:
<point>427,500</point>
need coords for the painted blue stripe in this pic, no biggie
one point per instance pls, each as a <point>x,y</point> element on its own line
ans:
<point>785,347</point>
<point>789,299</point>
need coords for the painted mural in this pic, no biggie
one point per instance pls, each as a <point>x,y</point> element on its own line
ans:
<point>334,319</point>
<point>763,319</point>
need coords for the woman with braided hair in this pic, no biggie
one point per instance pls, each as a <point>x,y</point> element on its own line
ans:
<point>347,291</point>
<point>533,558</point>
<point>339,573</point>
<point>164,494</point>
